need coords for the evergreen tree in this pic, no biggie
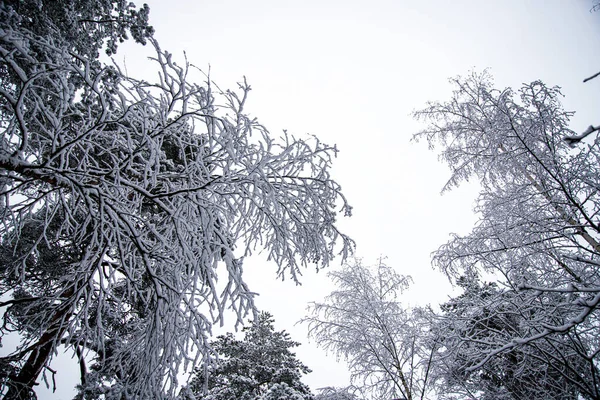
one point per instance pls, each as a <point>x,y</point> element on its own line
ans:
<point>259,367</point>
<point>554,368</point>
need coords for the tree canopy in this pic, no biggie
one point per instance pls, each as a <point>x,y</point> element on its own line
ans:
<point>258,367</point>
<point>128,208</point>
<point>538,234</point>
<point>123,201</point>
<point>363,322</point>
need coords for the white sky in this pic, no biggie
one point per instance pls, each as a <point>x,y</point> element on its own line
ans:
<point>351,72</point>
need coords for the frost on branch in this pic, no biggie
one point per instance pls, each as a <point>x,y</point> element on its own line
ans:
<point>363,322</point>
<point>485,315</point>
<point>259,367</point>
<point>121,198</point>
<point>539,226</point>
<point>332,393</point>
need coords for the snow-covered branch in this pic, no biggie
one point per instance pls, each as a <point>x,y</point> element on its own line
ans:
<point>538,233</point>
<point>124,201</point>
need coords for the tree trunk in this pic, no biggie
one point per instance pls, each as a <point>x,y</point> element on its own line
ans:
<point>20,386</point>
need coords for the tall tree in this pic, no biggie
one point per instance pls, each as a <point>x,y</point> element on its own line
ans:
<point>331,393</point>
<point>106,23</point>
<point>554,368</point>
<point>122,201</point>
<point>538,230</point>
<point>363,322</point>
<point>259,367</point>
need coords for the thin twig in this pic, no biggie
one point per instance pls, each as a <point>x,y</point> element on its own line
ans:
<point>591,77</point>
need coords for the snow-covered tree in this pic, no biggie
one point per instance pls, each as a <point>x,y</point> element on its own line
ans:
<point>259,367</point>
<point>105,22</point>
<point>363,322</point>
<point>558,367</point>
<point>332,393</point>
<point>539,226</point>
<point>123,200</point>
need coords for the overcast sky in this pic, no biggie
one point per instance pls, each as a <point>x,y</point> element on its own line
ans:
<point>351,72</point>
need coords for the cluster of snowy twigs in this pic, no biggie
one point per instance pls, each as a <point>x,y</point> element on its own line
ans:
<point>120,200</point>
<point>538,237</point>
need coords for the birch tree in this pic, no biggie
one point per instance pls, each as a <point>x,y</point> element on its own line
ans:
<point>539,226</point>
<point>333,393</point>
<point>363,322</point>
<point>127,208</point>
